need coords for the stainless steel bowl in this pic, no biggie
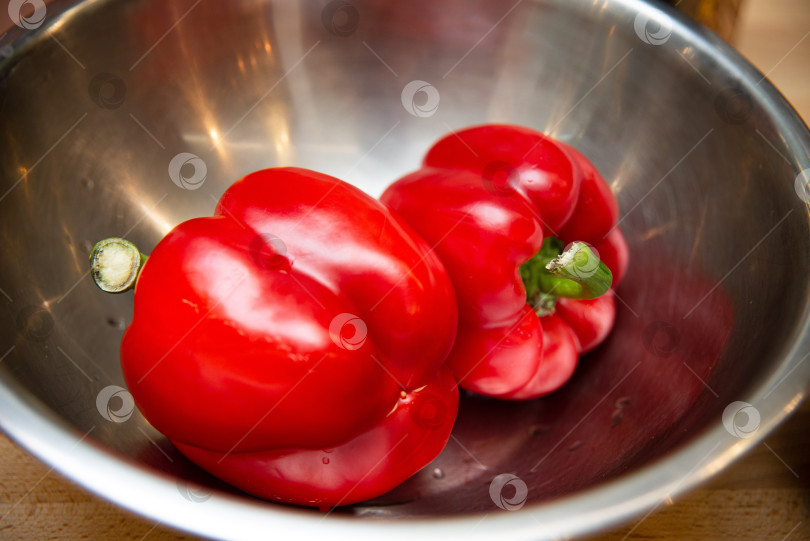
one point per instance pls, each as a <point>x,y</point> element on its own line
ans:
<point>98,100</point>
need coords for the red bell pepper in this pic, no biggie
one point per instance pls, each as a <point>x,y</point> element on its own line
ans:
<point>498,203</point>
<point>292,344</point>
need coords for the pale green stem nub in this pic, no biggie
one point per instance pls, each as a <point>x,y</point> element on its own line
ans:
<point>115,264</point>
<point>589,277</point>
<point>552,274</point>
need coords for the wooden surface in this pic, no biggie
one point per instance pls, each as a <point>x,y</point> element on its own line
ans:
<point>766,495</point>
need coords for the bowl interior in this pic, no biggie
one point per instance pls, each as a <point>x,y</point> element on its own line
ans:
<point>701,153</point>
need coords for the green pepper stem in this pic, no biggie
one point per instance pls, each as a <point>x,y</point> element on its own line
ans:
<point>553,273</point>
<point>115,264</point>
<point>584,275</point>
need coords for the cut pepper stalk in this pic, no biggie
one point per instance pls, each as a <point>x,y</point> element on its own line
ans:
<point>576,273</point>
<point>115,264</point>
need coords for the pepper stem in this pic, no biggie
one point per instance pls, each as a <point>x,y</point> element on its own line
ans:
<point>576,273</point>
<point>115,264</point>
<point>588,277</point>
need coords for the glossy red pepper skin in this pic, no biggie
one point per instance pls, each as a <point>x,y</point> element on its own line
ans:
<point>370,464</point>
<point>485,199</point>
<point>293,344</point>
<point>514,158</point>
